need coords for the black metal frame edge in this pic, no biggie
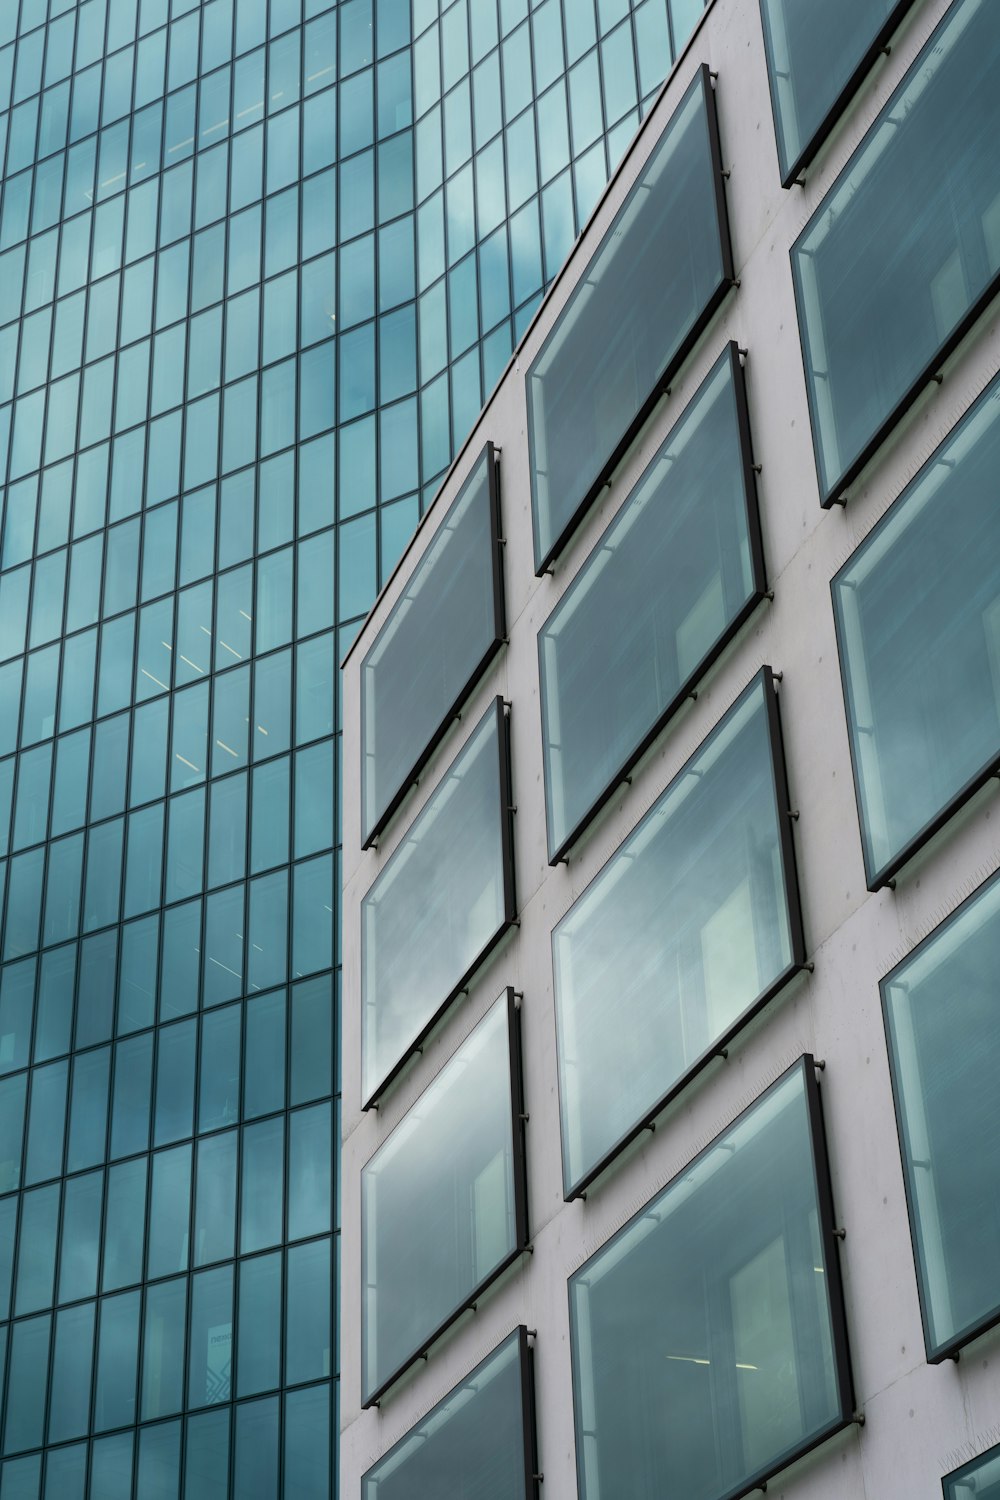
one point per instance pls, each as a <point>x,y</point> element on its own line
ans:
<point>796,934</point>
<point>936,1353</point>
<point>829,121</point>
<point>510,909</point>
<point>520,1210</point>
<point>369,836</point>
<point>752,508</point>
<point>684,348</point>
<point>529,1423</point>
<point>527,1396</point>
<point>966,1468</point>
<point>841,1351</point>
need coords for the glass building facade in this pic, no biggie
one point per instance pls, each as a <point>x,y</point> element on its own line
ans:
<point>260,263</point>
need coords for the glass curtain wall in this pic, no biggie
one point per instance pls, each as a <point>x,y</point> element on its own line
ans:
<point>260,262</point>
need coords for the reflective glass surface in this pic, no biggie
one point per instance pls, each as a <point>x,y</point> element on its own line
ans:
<point>721,1302</point>
<point>684,933</point>
<point>655,278</point>
<point>481,1436</point>
<point>918,623</point>
<point>814,58</point>
<point>905,246</point>
<point>980,1478</point>
<point>443,900</point>
<point>443,1200</point>
<point>943,1028</point>
<point>667,584</point>
<point>442,630</point>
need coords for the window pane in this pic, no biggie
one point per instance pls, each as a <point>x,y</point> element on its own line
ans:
<point>691,925</point>
<point>721,1302</point>
<point>981,1478</point>
<point>903,246</point>
<point>442,630</point>
<point>658,274</point>
<point>943,1027</point>
<point>475,1437</point>
<point>442,1202</point>
<point>670,580</point>
<point>439,904</point>
<point>813,58</point>
<point>918,622</point>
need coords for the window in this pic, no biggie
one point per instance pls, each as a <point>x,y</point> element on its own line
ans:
<point>692,925</point>
<point>443,900</point>
<point>652,285</point>
<point>918,624</point>
<point>668,584</point>
<point>980,1478</point>
<point>708,1337</point>
<point>815,61</point>
<point>443,1201</point>
<point>903,253</point>
<point>445,627</point>
<point>482,1436</point>
<point>943,1028</point>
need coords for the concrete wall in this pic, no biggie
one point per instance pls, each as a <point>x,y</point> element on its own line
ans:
<point>920,1420</point>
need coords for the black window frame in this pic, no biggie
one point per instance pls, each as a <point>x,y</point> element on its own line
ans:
<point>469,1301</point>
<point>703,80</point>
<point>760,592</point>
<point>371,834</point>
<point>510,918</point>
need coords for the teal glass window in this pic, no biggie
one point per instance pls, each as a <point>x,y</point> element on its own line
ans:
<point>678,570</point>
<point>980,1478</point>
<point>943,1030</point>
<point>692,925</point>
<point>443,1201</point>
<point>445,627</point>
<point>650,288</point>
<point>442,902</point>
<point>918,625</point>
<point>815,61</point>
<point>903,254</point>
<point>482,1434</point>
<point>721,1301</point>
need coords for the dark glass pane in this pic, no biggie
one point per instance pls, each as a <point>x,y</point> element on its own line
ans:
<point>657,274</point>
<point>720,1302</point>
<point>441,1206</point>
<point>442,629</point>
<point>980,1478</point>
<point>438,905</point>
<point>668,582</point>
<point>904,244</point>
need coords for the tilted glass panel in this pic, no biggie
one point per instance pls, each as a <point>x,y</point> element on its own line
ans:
<point>649,289</point>
<point>815,58</point>
<point>905,247</point>
<point>708,1337</point>
<point>980,1478</point>
<point>442,901</point>
<point>918,623</point>
<point>480,1437</point>
<point>668,583</point>
<point>689,927</point>
<point>943,1026</point>
<point>443,629</point>
<point>442,1201</point>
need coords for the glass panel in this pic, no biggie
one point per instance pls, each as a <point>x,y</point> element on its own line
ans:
<point>442,630</point>
<point>918,623</point>
<point>720,1301</point>
<point>670,580</point>
<point>943,1027</point>
<point>475,1437</point>
<point>439,904</point>
<point>980,1478</point>
<point>690,925</point>
<point>307,1443</point>
<point>813,59</point>
<point>210,1352</point>
<point>656,277</point>
<point>903,246</point>
<point>442,1202</point>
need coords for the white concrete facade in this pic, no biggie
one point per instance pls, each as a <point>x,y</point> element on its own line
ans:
<point>920,1421</point>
